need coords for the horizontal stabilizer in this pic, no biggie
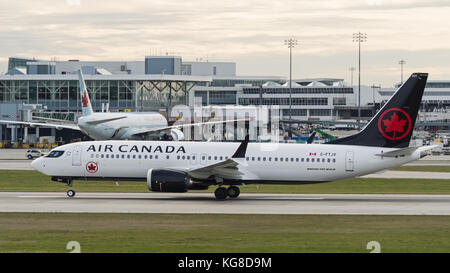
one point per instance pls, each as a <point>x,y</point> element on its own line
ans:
<point>407,151</point>
<point>399,152</point>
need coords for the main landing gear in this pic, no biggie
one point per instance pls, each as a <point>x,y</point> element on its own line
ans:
<point>222,193</point>
<point>71,193</point>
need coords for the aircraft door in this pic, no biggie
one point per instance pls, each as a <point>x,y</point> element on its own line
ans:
<point>76,156</point>
<point>349,161</point>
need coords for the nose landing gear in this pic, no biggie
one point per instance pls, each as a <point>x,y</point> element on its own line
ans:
<point>70,193</point>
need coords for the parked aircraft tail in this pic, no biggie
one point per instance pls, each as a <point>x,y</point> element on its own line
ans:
<point>393,125</point>
<point>85,101</point>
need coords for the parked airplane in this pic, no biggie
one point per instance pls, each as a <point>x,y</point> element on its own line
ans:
<point>115,126</point>
<point>183,166</point>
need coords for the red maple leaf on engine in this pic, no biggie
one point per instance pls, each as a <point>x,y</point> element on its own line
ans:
<point>84,99</point>
<point>394,125</point>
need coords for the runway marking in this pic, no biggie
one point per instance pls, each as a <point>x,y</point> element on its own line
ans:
<point>26,196</point>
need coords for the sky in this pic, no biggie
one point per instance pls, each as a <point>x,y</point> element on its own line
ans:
<point>250,33</point>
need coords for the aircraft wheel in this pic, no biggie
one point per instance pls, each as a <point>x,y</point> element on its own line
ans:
<point>71,193</point>
<point>221,193</point>
<point>233,191</point>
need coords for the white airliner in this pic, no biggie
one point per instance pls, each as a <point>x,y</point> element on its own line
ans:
<point>115,126</point>
<point>182,166</point>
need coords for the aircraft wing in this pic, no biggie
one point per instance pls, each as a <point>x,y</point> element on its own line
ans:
<point>39,124</point>
<point>99,121</point>
<point>231,168</point>
<point>187,125</point>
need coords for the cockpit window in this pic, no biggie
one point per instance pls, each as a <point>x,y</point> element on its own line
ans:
<point>55,154</point>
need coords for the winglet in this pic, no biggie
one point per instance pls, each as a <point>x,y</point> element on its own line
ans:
<point>242,149</point>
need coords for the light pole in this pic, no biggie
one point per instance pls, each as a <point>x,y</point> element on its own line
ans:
<point>359,38</point>
<point>291,43</point>
<point>373,97</point>
<point>401,63</point>
<point>352,69</point>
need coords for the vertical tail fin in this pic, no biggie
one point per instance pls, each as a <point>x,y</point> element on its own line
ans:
<point>85,101</point>
<point>393,125</point>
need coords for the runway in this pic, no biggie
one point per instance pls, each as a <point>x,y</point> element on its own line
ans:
<point>338,204</point>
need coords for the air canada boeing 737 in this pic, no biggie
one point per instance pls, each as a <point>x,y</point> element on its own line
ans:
<point>181,166</point>
<point>115,126</point>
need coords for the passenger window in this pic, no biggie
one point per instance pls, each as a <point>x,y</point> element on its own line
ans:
<point>312,159</point>
<point>275,158</point>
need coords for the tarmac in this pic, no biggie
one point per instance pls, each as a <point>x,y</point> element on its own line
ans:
<point>202,203</point>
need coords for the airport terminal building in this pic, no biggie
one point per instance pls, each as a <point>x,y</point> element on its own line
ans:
<point>40,88</point>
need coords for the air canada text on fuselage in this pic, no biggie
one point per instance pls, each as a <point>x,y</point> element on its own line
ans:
<point>125,148</point>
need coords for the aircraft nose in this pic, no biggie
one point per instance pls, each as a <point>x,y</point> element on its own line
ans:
<point>38,164</point>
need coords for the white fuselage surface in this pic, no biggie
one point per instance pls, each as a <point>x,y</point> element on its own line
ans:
<point>263,162</point>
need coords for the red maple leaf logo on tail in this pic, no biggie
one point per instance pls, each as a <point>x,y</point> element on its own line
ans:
<point>84,99</point>
<point>395,128</point>
<point>394,125</point>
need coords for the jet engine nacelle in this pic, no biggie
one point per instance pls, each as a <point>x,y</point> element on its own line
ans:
<point>167,180</point>
<point>161,180</point>
<point>176,134</point>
